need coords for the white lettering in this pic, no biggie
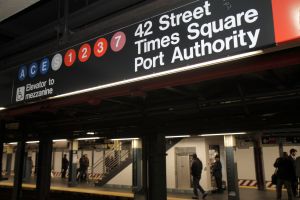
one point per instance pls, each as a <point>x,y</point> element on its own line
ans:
<point>253,38</point>
<point>148,63</point>
<point>172,20</point>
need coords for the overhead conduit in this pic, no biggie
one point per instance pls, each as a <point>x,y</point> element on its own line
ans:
<point>82,17</point>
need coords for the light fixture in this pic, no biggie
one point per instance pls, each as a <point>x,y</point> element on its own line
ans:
<point>222,134</point>
<point>60,140</point>
<point>2,108</point>
<point>90,133</point>
<point>124,139</point>
<point>178,136</point>
<point>13,143</point>
<point>32,142</point>
<point>160,74</point>
<point>90,138</point>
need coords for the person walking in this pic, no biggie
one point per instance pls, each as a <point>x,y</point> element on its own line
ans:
<point>292,157</point>
<point>285,175</point>
<point>217,173</point>
<point>196,170</point>
<point>64,166</point>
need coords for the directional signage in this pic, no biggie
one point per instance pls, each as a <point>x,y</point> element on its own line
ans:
<point>284,140</point>
<point>183,38</point>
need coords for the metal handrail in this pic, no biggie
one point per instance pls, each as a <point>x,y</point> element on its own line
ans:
<point>111,160</point>
<point>101,160</point>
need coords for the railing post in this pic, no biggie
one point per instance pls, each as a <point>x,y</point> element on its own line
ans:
<point>103,165</point>
<point>93,159</point>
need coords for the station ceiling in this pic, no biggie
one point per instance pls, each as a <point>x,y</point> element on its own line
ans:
<point>259,94</point>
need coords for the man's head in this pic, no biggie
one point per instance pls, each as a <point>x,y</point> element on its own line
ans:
<point>194,156</point>
<point>293,152</point>
<point>217,157</point>
<point>65,155</point>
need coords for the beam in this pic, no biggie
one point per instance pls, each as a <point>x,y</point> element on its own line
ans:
<point>82,17</point>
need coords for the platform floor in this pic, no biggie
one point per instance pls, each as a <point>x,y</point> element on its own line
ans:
<point>89,188</point>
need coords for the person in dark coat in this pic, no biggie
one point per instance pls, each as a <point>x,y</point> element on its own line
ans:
<point>84,164</point>
<point>64,166</point>
<point>81,168</point>
<point>285,175</point>
<point>292,157</point>
<point>217,173</point>
<point>298,173</point>
<point>196,171</point>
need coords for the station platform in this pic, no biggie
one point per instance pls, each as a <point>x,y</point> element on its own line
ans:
<point>60,187</point>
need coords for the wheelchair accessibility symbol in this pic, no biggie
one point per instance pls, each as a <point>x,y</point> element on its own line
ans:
<point>20,94</point>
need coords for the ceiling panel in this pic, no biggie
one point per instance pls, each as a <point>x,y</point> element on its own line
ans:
<point>11,7</point>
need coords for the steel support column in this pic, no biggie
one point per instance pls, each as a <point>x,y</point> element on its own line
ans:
<point>19,164</point>
<point>231,166</point>
<point>157,167</point>
<point>259,166</point>
<point>137,170</point>
<point>144,194</point>
<point>2,129</point>
<point>73,163</point>
<point>44,169</point>
<point>1,157</point>
<point>9,155</point>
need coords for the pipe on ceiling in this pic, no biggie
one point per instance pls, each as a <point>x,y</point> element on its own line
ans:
<point>77,19</point>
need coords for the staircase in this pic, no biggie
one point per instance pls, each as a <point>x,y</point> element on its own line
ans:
<point>117,160</point>
<point>113,172</point>
<point>112,164</point>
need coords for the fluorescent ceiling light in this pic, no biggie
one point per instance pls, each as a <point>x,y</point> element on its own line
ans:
<point>2,108</point>
<point>90,133</point>
<point>60,140</point>
<point>168,72</point>
<point>124,139</point>
<point>13,143</point>
<point>32,142</point>
<point>218,134</point>
<point>178,136</point>
<point>90,138</point>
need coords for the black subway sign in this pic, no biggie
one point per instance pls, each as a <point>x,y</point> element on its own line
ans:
<point>183,38</point>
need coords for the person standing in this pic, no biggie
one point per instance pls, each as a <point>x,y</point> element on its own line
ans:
<point>84,164</point>
<point>292,157</point>
<point>217,173</point>
<point>298,173</point>
<point>64,166</point>
<point>285,175</point>
<point>196,170</point>
<point>81,168</point>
